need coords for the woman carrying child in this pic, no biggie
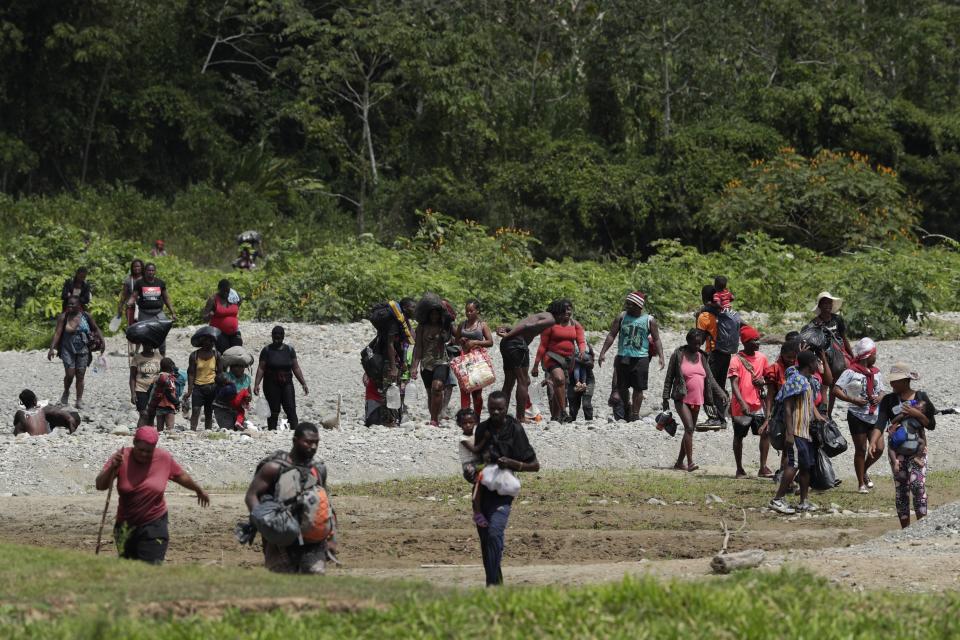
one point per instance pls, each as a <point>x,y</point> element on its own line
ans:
<point>472,333</point>
<point>913,412</point>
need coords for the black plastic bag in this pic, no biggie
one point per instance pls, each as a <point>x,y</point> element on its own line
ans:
<point>828,437</point>
<point>822,476</point>
<point>149,332</point>
<point>205,332</point>
<point>814,337</point>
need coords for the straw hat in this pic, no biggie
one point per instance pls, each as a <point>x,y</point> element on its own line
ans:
<point>837,302</point>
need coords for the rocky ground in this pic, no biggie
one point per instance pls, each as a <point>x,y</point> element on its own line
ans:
<point>61,464</point>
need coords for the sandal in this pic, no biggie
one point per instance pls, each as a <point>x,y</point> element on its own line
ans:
<point>692,467</point>
<point>765,473</point>
<point>679,467</point>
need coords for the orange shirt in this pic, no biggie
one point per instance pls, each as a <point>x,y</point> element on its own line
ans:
<point>707,322</point>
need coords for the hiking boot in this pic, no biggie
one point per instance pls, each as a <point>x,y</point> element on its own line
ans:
<point>807,506</point>
<point>780,506</point>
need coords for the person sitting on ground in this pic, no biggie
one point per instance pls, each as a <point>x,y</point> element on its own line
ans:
<point>39,421</point>
<point>430,358</point>
<point>164,402</point>
<point>149,296</point>
<point>558,344</point>
<point>722,297</point>
<point>222,311</point>
<point>515,350</point>
<point>77,286</point>
<point>861,386</point>
<point>76,335</point>
<point>142,473</point>
<point>473,334</point>
<point>470,460</point>
<point>748,387</point>
<point>689,383</point>
<point>504,443</point>
<point>308,558</point>
<point>144,371</point>
<point>582,384</point>
<point>800,411</point>
<point>159,249</point>
<point>912,410</point>
<point>202,368</point>
<point>638,339</point>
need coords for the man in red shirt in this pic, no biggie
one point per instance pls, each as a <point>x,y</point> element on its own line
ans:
<point>142,473</point>
<point>746,373</point>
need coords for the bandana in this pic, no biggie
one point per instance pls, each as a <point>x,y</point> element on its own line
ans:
<point>865,348</point>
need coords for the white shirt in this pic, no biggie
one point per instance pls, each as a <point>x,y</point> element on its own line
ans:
<point>854,384</point>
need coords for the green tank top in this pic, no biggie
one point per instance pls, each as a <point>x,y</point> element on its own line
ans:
<point>634,339</point>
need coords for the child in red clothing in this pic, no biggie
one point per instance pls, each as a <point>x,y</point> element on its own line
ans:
<point>164,403</point>
<point>241,404</point>
<point>722,297</point>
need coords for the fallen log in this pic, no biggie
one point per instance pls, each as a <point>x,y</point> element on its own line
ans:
<point>729,562</point>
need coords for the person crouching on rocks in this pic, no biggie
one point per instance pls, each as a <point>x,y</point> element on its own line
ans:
<point>271,483</point>
<point>142,473</point>
<point>38,421</point>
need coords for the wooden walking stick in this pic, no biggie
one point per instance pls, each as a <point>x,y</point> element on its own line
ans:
<point>103,518</point>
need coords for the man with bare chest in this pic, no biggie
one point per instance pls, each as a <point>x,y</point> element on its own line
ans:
<point>39,421</point>
<point>515,349</point>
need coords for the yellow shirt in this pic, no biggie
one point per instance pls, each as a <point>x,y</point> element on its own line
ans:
<point>206,371</point>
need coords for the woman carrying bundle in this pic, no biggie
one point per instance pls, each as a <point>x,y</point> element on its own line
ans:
<point>473,333</point>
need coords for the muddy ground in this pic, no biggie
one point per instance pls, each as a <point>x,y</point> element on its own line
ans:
<point>551,539</point>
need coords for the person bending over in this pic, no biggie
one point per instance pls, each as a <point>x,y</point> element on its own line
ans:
<point>38,421</point>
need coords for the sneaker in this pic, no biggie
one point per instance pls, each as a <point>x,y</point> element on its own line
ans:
<point>867,481</point>
<point>863,489</point>
<point>808,506</point>
<point>780,506</point>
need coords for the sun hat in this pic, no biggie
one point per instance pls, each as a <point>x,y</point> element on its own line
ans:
<point>837,302</point>
<point>901,371</point>
<point>748,333</point>
<point>638,298</point>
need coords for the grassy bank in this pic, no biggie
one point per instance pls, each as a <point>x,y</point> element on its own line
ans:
<point>61,594</point>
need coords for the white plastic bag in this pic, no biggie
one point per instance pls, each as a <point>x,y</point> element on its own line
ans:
<point>100,365</point>
<point>502,481</point>
<point>114,324</point>
<point>261,408</point>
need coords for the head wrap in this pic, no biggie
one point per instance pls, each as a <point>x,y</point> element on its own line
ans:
<point>148,435</point>
<point>638,298</point>
<point>748,333</point>
<point>864,348</point>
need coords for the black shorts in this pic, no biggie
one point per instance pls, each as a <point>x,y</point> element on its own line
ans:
<point>516,354</point>
<point>147,542</point>
<point>741,431</point>
<point>632,373</point>
<point>439,372</point>
<point>805,456</point>
<point>143,398</point>
<point>203,396</point>
<point>858,426</point>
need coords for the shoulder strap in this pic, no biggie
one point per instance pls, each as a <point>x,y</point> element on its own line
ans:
<point>749,367</point>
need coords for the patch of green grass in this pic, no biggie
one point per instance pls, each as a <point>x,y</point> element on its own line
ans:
<point>49,578</point>
<point>636,487</point>
<point>750,605</point>
<point>940,329</point>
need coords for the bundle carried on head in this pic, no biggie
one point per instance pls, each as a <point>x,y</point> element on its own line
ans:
<point>149,332</point>
<point>431,302</point>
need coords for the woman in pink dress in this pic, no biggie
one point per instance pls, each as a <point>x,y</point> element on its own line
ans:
<point>690,384</point>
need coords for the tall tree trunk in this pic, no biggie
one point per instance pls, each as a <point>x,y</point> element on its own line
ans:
<point>91,121</point>
<point>665,61</point>
<point>367,135</point>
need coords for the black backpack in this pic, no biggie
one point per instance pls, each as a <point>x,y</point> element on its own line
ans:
<point>372,361</point>
<point>381,317</point>
<point>777,428</point>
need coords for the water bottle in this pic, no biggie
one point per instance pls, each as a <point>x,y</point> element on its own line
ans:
<point>100,365</point>
<point>393,397</point>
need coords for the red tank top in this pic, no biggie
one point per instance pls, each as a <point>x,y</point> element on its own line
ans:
<point>225,317</point>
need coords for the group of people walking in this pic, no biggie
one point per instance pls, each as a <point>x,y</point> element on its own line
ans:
<point>815,367</point>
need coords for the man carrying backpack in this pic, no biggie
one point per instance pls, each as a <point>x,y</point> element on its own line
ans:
<point>291,486</point>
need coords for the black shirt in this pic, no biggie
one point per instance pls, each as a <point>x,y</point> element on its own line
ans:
<point>510,441</point>
<point>150,294</point>
<point>890,408</point>
<point>68,288</point>
<point>278,359</point>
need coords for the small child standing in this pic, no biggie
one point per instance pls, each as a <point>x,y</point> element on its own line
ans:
<point>471,460</point>
<point>722,297</point>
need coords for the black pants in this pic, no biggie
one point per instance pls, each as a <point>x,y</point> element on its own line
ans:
<point>147,542</point>
<point>280,395</point>
<point>719,363</point>
<point>577,400</point>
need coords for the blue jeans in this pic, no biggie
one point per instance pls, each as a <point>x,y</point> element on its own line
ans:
<point>496,509</point>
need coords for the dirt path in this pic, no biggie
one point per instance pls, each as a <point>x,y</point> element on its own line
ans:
<point>547,543</point>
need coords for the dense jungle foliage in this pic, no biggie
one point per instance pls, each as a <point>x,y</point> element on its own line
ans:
<point>600,125</point>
